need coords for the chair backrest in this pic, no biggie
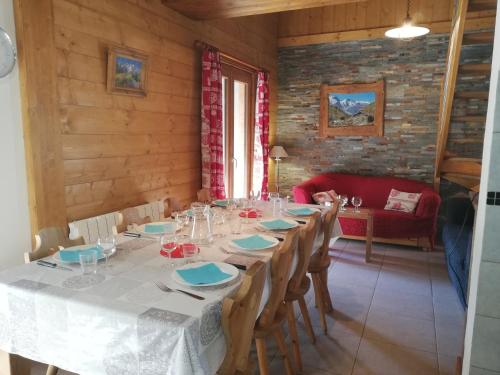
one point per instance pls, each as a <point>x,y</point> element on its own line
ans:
<point>239,313</point>
<point>204,195</point>
<point>48,241</point>
<point>307,235</point>
<point>131,216</point>
<point>281,263</point>
<point>154,210</point>
<point>171,205</point>
<point>328,224</point>
<point>94,227</point>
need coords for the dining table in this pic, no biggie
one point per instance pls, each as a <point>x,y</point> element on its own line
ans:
<point>117,321</point>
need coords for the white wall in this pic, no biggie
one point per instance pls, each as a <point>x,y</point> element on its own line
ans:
<point>482,337</point>
<point>14,214</point>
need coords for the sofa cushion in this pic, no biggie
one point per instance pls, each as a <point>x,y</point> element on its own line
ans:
<point>402,201</point>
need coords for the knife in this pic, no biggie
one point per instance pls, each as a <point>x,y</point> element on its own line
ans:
<point>138,235</point>
<point>52,265</point>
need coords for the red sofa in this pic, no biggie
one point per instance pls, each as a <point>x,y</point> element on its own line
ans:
<point>374,191</point>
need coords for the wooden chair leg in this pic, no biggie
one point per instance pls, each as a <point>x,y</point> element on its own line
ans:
<point>318,292</point>
<point>326,293</point>
<point>292,325</point>
<point>52,370</point>
<point>260,344</point>
<point>307,319</point>
<point>280,340</point>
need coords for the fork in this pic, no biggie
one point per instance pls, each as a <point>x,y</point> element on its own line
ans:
<point>245,255</point>
<point>166,289</point>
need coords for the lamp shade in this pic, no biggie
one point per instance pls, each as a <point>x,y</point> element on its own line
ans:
<point>278,152</point>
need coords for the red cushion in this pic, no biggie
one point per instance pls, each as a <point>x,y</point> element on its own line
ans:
<point>374,192</point>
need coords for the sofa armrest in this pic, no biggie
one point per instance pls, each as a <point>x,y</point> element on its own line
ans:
<point>428,205</point>
<point>303,193</point>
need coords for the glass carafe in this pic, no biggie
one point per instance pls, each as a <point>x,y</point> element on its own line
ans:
<point>201,231</point>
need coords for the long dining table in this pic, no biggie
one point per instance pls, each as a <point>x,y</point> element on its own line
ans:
<point>117,321</point>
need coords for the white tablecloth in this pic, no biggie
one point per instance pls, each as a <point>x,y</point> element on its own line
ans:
<point>117,321</point>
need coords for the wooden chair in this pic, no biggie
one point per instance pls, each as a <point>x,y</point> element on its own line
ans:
<point>130,216</point>
<point>48,241</point>
<point>171,205</point>
<point>300,283</point>
<point>275,311</point>
<point>319,264</point>
<point>204,195</point>
<point>238,320</point>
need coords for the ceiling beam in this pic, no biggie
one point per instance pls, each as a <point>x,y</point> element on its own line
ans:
<point>213,9</point>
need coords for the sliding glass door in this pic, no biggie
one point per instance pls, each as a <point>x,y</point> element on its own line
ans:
<point>238,118</point>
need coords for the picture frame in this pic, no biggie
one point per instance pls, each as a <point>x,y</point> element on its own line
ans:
<point>352,109</point>
<point>127,71</point>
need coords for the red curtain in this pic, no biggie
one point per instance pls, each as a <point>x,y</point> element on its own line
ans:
<point>211,124</point>
<point>261,149</point>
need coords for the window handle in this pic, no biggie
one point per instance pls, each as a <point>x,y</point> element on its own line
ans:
<point>235,162</point>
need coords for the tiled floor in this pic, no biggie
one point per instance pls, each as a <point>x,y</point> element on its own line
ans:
<point>397,315</point>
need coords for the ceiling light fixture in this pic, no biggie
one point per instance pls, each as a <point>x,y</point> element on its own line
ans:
<point>407,30</point>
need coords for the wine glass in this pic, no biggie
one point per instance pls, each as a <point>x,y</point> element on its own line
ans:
<point>344,199</point>
<point>254,196</point>
<point>168,243</point>
<point>232,204</point>
<point>356,202</point>
<point>180,219</point>
<point>107,245</point>
<point>219,219</point>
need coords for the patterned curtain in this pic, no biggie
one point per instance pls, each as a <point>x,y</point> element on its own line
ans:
<point>212,158</point>
<point>261,143</point>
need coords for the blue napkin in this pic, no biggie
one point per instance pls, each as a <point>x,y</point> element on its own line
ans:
<point>304,211</point>
<point>206,274</point>
<point>254,242</point>
<point>277,224</point>
<point>159,228</point>
<point>73,254</point>
<point>221,203</point>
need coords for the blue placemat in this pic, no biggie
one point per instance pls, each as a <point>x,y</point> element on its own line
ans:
<point>277,224</point>
<point>159,228</point>
<point>254,242</point>
<point>304,211</point>
<point>206,274</point>
<point>73,254</point>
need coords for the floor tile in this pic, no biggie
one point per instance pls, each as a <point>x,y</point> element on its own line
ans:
<point>379,358</point>
<point>404,282</point>
<point>403,304</point>
<point>447,364</point>
<point>450,337</point>
<point>353,274</point>
<point>412,333</point>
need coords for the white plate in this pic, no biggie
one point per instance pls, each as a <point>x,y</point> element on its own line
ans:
<point>294,215</point>
<point>290,221</point>
<point>268,238</point>
<point>57,258</point>
<point>142,228</point>
<point>224,267</point>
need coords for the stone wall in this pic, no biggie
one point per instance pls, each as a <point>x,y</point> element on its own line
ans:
<point>412,72</point>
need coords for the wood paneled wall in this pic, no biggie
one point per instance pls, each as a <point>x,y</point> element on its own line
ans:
<point>118,151</point>
<point>368,20</point>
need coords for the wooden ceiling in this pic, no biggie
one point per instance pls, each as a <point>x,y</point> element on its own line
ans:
<point>213,9</point>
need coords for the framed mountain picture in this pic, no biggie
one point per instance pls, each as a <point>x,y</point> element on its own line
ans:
<point>350,110</point>
<point>127,71</point>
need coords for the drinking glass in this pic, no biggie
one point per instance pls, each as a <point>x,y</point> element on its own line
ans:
<point>356,202</point>
<point>235,224</point>
<point>108,246</point>
<point>88,262</point>
<point>219,219</point>
<point>273,195</point>
<point>231,204</point>
<point>181,218</point>
<point>344,199</point>
<point>189,252</point>
<point>168,243</point>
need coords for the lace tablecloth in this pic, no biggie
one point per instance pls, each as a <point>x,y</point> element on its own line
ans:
<point>116,321</point>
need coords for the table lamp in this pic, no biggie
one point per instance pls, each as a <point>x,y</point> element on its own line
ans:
<point>277,153</point>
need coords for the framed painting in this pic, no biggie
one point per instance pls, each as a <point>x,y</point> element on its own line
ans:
<point>350,110</point>
<point>127,72</point>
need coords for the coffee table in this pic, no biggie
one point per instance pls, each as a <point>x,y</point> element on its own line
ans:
<point>365,214</point>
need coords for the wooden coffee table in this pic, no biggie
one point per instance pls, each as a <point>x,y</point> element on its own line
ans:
<point>365,214</point>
